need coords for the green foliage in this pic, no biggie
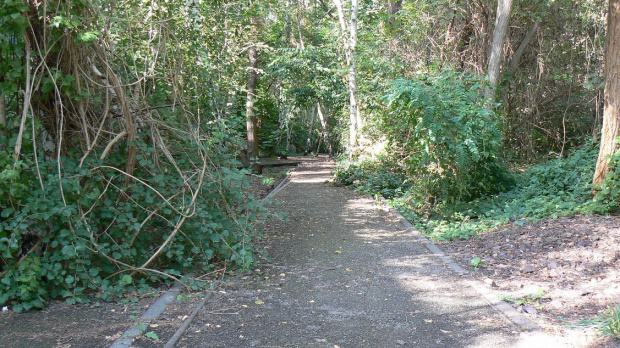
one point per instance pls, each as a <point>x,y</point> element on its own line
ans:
<point>556,188</point>
<point>449,142</point>
<point>476,262</point>
<point>75,230</point>
<point>142,327</point>
<point>607,323</point>
<point>152,335</point>
<point>607,198</point>
<point>532,299</point>
<point>70,236</point>
<point>369,177</point>
<point>611,326</point>
<point>444,146</point>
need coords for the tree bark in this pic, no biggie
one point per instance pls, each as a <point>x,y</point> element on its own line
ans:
<point>310,130</point>
<point>611,115</point>
<point>356,120</point>
<point>504,8</point>
<point>349,35</point>
<point>394,7</point>
<point>323,120</point>
<point>251,124</point>
<point>516,57</point>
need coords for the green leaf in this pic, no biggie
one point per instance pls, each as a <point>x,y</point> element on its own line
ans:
<point>68,251</point>
<point>89,36</point>
<point>152,335</point>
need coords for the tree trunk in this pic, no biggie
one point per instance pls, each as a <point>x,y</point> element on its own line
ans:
<point>394,7</point>
<point>499,35</point>
<point>349,35</point>
<point>310,129</point>
<point>252,144</point>
<point>516,57</point>
<point>355,111</point>
<point>325,132</point>
<point>611,115</point>
<point>392,10</point>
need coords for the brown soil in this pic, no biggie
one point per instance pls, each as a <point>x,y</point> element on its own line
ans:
<point>571,263</point>
<point>63,325</point>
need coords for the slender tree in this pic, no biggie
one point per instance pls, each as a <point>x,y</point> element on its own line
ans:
<point>325,132</point>
<point>611,116</point>
<point>251,122</point>
<point>504,8</point>
<point>349,38</point>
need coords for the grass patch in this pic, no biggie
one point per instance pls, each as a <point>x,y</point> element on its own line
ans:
<point>607,323</point>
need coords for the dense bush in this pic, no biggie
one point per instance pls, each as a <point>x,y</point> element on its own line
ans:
<point>447,141</point>
<point>443,170</point>
<point>382,177</point>
<point>116,167</point>
<point>558,187</point>
<point>84,230</point>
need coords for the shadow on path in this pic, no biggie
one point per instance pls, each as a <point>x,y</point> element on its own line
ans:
<point>345,273</point>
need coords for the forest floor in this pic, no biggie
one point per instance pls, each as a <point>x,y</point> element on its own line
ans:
<point>344,272</point>
<point>564,272</point>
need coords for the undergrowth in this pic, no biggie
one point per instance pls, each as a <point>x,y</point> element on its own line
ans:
<point>607,323</point>
<point>84,231</point>
<point>559,187</point>
<point>116,172</point>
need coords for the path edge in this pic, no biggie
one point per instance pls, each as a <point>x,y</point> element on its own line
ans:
<point>522,322</point>
<point>164,300</point>
<point>152,312</point>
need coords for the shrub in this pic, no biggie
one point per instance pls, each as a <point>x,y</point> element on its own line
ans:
<point>382,177</point>
<point>558,187</point>
<point>448,141</point>
<point>608,194</point>
<point>86,230</point>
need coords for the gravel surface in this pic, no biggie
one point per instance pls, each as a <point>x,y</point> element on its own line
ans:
<point>344,273</point>
<point>62,325</point>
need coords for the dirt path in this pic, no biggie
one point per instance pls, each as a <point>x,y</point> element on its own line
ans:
<point>345,273</point>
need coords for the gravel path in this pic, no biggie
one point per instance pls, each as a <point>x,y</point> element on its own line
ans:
<point>346,273</point>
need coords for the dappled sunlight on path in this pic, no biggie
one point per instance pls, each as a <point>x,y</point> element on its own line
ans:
<point>345,272</point>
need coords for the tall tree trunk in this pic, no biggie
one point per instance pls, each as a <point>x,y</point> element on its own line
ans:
<point>349,35</point>
<point>325,132</point>
<point>392,10</point>
<point>394,7</point>
<point>355,111</point>
<point>251,124</point>
<point>310,130</point>
<point>504,8</point>
<point>611,116</point>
